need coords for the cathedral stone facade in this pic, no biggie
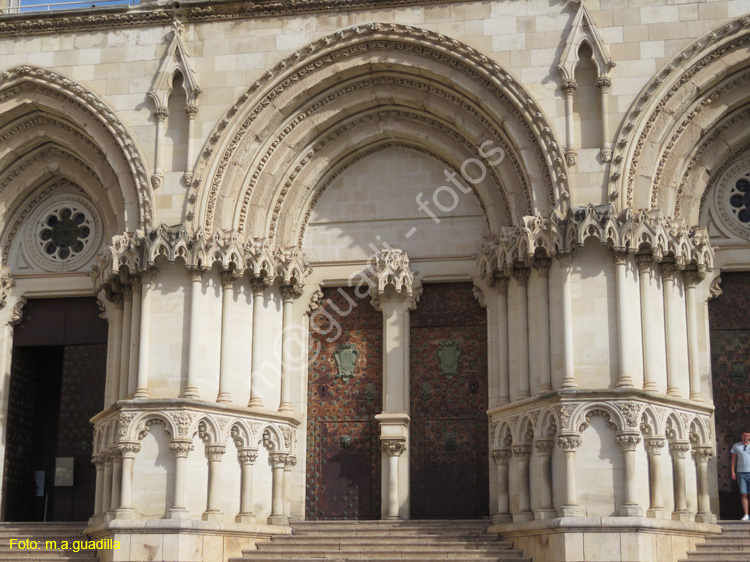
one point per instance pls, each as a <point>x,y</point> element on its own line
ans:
<point>375,259</point>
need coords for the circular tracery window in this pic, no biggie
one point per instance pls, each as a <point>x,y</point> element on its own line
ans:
<point>64,233</point>
<point>738,193</point>
<point>732,198</point>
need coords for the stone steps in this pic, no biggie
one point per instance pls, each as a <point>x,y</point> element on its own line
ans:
<point>42,532</point>
<point>732,545</point>
<point>378,541</point>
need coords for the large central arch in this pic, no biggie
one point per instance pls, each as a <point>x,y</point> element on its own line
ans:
<point>336,99</point>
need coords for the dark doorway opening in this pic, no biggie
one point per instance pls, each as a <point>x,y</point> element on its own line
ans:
<point>729,322</point>
<point>449,462</point>
<point>58,373</point>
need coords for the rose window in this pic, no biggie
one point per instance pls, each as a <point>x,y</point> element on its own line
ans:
<point>65,233</point>
<point>739,199</point>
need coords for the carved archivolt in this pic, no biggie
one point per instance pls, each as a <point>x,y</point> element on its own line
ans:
<point>666,116</point>
<point>233,139</point>
<point>649,232</point>
<point>104,125</point>
<point>137,253</point>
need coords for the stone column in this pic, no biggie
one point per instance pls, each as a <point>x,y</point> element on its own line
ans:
<point>502,341</point>
<point>196,286</point>
<point>569,443</point>
<point>502,458</point>
<point>522,454</point>
<point>135,328</point>
<point>277,517</point>
<point>147,282</point>
<point>544,448</point>
<point>393,448</point>
<point>288,293</point>
<point>569,86</point>
<point>628,443</point>
<point>677,450</point>
<point>191,109</point>
<point>258,287</point>
<point>521,275</point>
<point>542,266</point>
<point>566,265</point>
<point>214,453</point>
<point>160,114</point>
<point>701,454</point>
<point>114,388</point>
<point>691,279</point>
<point>181,449</point>
<point>246,457</point>
<point>649,331</point>
<point>227,296</point>
<point>291,461</point>
<point>98,461</point>
<point>625,378</point>
<point>654,445</point>
<point>670,309</point>
<point>107,487</point>
<point>116,456</point>
<point>127,319</point>
<point>128,452</point>
<point>604,83</point>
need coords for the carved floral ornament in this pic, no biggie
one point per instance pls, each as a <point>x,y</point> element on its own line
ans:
<point>649,232</point>
<point>390,269</point>
<point>136,254</point>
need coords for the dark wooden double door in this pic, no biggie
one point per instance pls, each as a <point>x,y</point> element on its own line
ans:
<point>448,399</point>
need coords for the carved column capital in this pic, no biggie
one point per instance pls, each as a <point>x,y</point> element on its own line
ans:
<point>701,454</point>
<point>247,455</point>
<point>393,447</point>
<point>604,84</point>
<point>654,445</point>
<point>161,113</point>
<point>644,262</point>
<point>569,86</point>
<point>544,447</point>
<point>628,441</point>
<point>129,450</point>
<point>228,278</point>
<point>678,449</point>
<point>290,462</point>
<point>180,448</point>
<point>692,278</point>
<point>521,451</point>
<point>521,275</point>
<point>6,284</point>
<point>191,109</point>
<point>501,456</point>
<point>196,272</point>
<point>115,454</point>
<point>569,442</point>
<point>565,259</point>
<point>258,287</point>
<point>619,254</point>
<point>668,270</point>
<point>215,452</point>
<point>98,460</point>
<point>291,292</point>
<point>542,266</point>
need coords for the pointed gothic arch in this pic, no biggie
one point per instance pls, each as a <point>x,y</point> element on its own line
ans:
<point>262,166</point>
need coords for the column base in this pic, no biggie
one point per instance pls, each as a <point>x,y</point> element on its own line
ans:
<point>523,517</point>
<point>546,513</point>
<point>685,516</point>
<point>278,520</point>
<point>696,397</point>
<point>391,518</point>
<point>499,518</point>
<point>224,398</point>
<point>631,511</point>
<point>126,513</point>
<point>141,394</point>
<point>191,393</point>
<point>255,402</point>
<point>245,518</point>
<point>659,513</point>
<point>570,511</point>
<point>212,516</point>
<point>178,513</point>
<point>285,407</point>
<point>706,517</point>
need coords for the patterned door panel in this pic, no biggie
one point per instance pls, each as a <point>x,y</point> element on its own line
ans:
<point>448,436</point>
<point>344,395</point>
<point>729,317</point>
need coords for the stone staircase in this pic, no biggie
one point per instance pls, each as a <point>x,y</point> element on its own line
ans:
<point>732,545</point>
<point>42,532</point>
<point>415,541</point>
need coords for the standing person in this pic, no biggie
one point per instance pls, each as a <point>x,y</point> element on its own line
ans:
<point>741,462</point>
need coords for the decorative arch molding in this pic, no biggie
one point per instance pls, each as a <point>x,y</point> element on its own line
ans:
<point>269,115</point>
<point>698,95</point>
<point>58,96</point>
